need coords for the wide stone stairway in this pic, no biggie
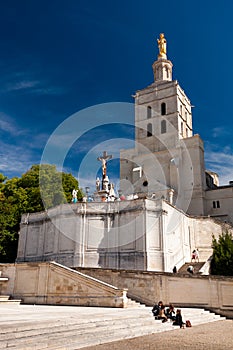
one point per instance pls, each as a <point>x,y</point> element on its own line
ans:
<point>31,327</point>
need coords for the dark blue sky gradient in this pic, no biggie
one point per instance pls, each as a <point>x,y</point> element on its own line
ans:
<point>58,57</point>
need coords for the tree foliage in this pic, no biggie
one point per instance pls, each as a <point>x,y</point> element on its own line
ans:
<point>40,187</point>
<point>222,261</point>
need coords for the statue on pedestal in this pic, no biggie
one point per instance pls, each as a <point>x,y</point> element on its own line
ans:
<point>162,45</point>
<point>111,190</point>
<point>105,184</point>
<point>105,192</point>
<point>97,184</point>
<point>105,157</point>
<point>74,196</point>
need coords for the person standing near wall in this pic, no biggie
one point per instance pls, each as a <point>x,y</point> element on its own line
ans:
<point>193,255</point>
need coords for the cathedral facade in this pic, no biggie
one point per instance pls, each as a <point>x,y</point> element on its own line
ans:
<point>176,204</point>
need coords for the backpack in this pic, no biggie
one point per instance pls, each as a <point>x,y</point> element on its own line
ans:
<point>188,323</point>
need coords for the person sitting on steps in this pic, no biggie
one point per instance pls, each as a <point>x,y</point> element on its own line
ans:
<point>159,312</point>
<point>170,312</point>
<point>156,309</point>
<point>162,315</point>
<point>178,320</point>
<point>190,269</point>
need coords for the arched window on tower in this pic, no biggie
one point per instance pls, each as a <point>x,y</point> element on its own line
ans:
<point>216,204</point>
<point>149,112</point>
<point>163,108</point>
<point>149,130</point>
<point>163,127</point>
<point>182,128</point>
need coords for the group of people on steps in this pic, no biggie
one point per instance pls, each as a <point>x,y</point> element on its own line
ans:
<point>168,313</point>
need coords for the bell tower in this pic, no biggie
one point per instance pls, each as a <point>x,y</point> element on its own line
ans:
<point>170,158</point>
<point>163,112</point>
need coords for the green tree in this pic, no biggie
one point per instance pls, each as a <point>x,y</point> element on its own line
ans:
<point>2,178</point>
<point>40,187</point>
<point>46,187</point>
<point>222,261</point>
<point>9,222</point>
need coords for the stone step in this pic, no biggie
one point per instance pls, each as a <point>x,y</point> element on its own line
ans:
<point>115,315</point>
<point>79,327</point>
<point>10,301</point>
<point>75,342</point>
<point>95,335</point>
<point>132,303</point>
<point>20,333</point>
<point>63,331</point>
<point>5,299</point>
<point>65,336</point>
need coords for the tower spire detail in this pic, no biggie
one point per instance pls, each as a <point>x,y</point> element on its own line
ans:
<point>162,68</point>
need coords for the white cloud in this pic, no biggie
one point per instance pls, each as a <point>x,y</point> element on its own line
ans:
<point>221,163</point>
<point>21,85</point>
<point>24,82</point>
<point>88,181</point>
<point>7,124</point>
<point>36,141</point>
<point>49,90</point>
<point>220,131</point>
<point>19,148</point>
<point>14,159</point>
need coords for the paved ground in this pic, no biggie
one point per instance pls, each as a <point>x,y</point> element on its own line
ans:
<point>211,336</point>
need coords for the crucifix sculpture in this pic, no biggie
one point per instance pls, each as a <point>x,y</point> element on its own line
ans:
<point>104,158</point>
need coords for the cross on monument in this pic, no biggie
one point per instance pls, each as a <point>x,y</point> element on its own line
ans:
<point>104,159</point>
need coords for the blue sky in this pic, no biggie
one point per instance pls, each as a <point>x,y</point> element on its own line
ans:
<point>59,57</point>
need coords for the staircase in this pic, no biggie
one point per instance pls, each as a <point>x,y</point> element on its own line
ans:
<point>28,327</point>
<point>6,299</point>
<point>196,266</point>
<point>134,304</point>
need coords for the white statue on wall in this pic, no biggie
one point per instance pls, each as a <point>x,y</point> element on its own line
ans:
<point>97,184</point>
<point>111,190</point>
<point>74,196</point>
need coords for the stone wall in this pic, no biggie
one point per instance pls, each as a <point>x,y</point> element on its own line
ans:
<point>88,234</point>
<point>211,292</point>
<point>140,234</point>
<point>51,283</point>
<point>183,233</point>
<point>54,284</point>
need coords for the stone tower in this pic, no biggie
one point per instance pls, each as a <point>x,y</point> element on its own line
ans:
<point>169,157</point>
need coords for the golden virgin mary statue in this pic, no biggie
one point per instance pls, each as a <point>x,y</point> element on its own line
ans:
<point>162,45</point>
